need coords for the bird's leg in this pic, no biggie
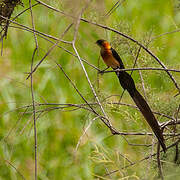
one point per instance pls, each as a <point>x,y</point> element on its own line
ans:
<point>102,71</point>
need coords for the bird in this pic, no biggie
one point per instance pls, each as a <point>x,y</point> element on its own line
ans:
<point>113,60</point>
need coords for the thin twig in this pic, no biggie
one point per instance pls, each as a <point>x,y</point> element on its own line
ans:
<point>145,69</point>
<point>85,72</point>
<point>32,94</point>
<point>115,6</point>
<point>48,52</point>
<point>30,29</point>
<point>92,88</point>
<point>142,80</point>
<point>16,124</point>
<point>66,50</point>
<point>166,33</point>
<point>85,131</point>
<point>34,117</point>
<point>33,24</point>
<point>147,157</point>
<point>101,117</point>
<point>67,105</point>
<point>8,162</point>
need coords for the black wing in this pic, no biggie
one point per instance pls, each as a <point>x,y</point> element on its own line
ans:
<point>117,57</point>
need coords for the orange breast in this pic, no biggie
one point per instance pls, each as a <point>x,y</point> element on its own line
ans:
<point>109,60</point>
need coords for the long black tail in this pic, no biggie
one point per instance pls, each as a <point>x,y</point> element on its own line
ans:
<point>127,83</point>
<point>149,116</point>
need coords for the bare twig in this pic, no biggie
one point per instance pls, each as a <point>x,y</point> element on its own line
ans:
<point>136,63</point>
<point>85,72</point>
<point>32,93</point>
<point>33,24</point>
<point>16,124</point>
<point>101,117</point>
<point>130,162</point>
<point>145,69</point>
<point>95,95</point>
<point>85,131</point>
<point>115,6</point>
<point>44,36</point>
<point>34,116</point>
<point>67,105</point>
<point>49,51</point>
<point>171,32</point>
<point>147,157</point>
<point>9,163</point>
<point>31,30</point>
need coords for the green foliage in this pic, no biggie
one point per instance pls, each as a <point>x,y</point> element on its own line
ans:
<point>61,128</point>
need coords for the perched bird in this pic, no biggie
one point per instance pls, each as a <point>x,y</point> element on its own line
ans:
<point>113,60</point>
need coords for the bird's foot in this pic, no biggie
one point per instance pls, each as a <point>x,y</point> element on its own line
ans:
<point>101,72</point>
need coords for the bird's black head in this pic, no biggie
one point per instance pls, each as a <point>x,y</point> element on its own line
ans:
<point>100,42</point>
<point>103,44</point>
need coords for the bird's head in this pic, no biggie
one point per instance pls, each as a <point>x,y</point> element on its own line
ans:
<point>103,44</point>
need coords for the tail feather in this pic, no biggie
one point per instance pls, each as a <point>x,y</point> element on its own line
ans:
<point>128,84</point>
<point>149,116</point>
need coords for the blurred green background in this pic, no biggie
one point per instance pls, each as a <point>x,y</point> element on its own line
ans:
<point>59,130</point>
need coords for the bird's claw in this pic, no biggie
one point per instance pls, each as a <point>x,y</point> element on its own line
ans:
<point>101,72</point>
